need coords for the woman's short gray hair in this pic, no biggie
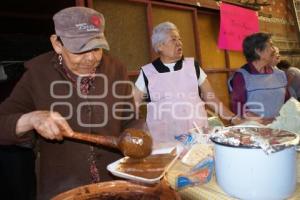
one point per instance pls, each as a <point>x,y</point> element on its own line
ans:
<point>160,32</point>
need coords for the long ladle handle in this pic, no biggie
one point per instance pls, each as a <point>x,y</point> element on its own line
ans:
<point>108,141</point>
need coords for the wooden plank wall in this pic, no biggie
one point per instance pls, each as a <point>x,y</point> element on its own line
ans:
<point>130,22</point>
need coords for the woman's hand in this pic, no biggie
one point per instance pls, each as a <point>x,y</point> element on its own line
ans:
<point>250,116</point>
<point>236,120</point>
<point>50,125</point>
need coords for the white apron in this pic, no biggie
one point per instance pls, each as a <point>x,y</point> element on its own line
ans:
<point>175,103</point>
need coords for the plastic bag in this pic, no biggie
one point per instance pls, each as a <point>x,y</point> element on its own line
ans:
<point>199,174</point>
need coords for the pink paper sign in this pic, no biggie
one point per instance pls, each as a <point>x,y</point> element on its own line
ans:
<point>236,23</point>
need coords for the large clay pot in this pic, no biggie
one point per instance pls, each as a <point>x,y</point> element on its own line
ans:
<point>121,190</point>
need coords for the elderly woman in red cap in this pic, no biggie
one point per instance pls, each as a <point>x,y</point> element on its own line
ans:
<point>70,88</point>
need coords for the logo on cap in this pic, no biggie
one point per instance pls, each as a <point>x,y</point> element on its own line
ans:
<point>86,27</point>
<point>95,20</point>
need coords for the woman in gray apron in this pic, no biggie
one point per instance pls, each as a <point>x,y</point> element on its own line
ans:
<point>258,90</point>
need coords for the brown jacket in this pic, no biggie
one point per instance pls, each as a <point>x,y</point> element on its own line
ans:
<point>64,165</point>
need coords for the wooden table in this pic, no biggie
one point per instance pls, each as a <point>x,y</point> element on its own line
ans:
<point>211,190</point>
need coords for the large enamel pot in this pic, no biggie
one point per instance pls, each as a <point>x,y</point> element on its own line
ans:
<point>249,173</point>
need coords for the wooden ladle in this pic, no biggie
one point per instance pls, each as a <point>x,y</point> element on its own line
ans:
<point>132,142</point>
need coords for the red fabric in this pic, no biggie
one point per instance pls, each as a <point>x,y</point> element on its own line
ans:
<point>85,82</point>
<point>239,94</point>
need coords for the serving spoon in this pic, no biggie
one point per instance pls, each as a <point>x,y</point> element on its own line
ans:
<point>132,142</point>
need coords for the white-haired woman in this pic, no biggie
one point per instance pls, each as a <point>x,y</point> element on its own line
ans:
<point>171,85</point>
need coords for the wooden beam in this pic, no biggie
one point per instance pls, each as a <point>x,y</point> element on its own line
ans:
<point>80,2</point>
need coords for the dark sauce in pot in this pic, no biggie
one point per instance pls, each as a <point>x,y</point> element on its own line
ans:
<point>125,196</point>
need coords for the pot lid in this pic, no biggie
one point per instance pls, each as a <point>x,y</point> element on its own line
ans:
<point>270,140</point>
